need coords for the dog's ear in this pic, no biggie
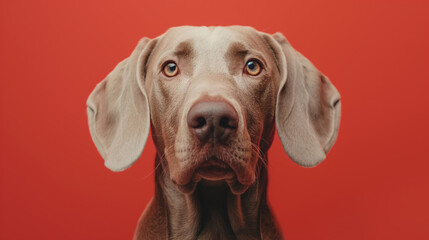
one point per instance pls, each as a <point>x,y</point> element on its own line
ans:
<point>308,106</point>
<point>118,110</point>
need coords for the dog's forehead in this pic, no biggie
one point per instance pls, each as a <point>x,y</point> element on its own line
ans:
<point>208,37</point>
<point>208,46</point>
<point>211,41</point>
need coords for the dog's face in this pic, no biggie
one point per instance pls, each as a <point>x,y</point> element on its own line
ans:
<point>195,79</point>
<point>214,96</point>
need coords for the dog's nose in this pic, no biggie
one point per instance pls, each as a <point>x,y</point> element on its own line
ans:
<point>212,120</point>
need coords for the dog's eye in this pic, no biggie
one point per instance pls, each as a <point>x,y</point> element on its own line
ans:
<point>170,69</point>
<point>253,67</point>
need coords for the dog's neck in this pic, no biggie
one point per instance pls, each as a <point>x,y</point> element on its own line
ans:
<point>212,211</point>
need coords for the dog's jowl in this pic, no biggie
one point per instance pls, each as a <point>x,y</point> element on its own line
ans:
<point>212,97</point>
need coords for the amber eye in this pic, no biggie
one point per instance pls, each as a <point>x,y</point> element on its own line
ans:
<point>170,69</point>
<point>253,67</point>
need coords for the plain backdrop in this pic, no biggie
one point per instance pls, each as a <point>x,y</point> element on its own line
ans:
<point>374,183</point>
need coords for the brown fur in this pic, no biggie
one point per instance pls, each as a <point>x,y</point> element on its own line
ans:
<point>289,93</point>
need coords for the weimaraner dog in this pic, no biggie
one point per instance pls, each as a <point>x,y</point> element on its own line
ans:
<point>212,97</point>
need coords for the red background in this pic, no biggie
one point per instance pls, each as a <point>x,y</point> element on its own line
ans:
<point>373,185</point>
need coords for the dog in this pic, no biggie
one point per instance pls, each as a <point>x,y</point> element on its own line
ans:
<point>212,97</point>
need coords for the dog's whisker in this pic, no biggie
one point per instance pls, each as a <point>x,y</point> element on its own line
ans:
<point>261,155</point>
<point>260,138</point>
<point>161,158</point>
<point>257,181</point>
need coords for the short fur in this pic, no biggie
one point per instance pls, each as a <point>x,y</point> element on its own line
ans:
<point>289,93</point>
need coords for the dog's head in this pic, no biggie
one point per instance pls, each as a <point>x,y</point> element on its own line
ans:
<point>212,97</point>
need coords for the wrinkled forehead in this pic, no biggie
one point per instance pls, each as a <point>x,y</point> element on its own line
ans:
<point>210,46</point>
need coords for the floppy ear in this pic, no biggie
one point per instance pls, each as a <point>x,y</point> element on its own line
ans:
<point>118,111</point>
<point>308,106</point>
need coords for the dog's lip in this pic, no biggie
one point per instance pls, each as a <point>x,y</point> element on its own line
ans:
<point>214,162</point>
<point>213,169</point>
